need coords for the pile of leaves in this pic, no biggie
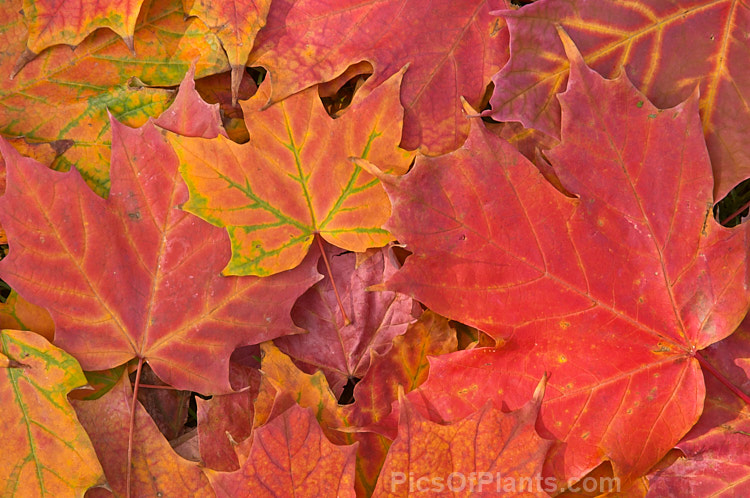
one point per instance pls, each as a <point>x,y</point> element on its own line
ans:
<point>309,248</point>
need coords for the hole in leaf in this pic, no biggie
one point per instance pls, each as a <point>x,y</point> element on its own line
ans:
<point>521,3</point>
<point>347,395</point>
<point>734,207</point>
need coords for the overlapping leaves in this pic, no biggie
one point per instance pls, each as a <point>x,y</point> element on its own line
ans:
<point>629,279</point>
<point>666,48</point>
<point>294,180</point>
<point>614,288</point>
<point>154,291</point>
<point>64,96</point>
<point>301,48</point>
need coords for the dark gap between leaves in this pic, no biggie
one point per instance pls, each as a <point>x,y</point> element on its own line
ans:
<point>731,210</point>
<point>347,395</point>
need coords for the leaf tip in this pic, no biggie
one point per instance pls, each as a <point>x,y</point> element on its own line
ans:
<point>129,42</point>
<point>470,111</point>
<point>571,51</point>
<point>26,57</point>
<point>540,389</point>
<point>236,76</point>
<point>372,169</point>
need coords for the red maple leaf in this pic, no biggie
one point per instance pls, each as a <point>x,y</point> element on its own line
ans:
<point>612,292</point>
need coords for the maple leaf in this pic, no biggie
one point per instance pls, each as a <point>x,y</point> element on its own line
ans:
<point>322,42</point>
<point>294,180</point>
<point>156,468</point>
<point>716,448</point>
<point>488,452</point>
<point>133,276</point>
<point>649,40</point>
<point>64,96</point>
<point>612,292</point>
<point>235,22</point>
<point>342,350</point>
<point>45,450</point>
<point>290,456</point>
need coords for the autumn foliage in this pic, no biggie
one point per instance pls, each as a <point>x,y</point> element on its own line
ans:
<point>304,248</point>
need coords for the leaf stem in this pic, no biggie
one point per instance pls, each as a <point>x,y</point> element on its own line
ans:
<point>132,425</point>
<point>721,378</point>
<point>154,386</point>
<point>333,283</point>
<point>735,214</point>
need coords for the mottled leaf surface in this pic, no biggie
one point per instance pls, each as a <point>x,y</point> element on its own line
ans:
<point>63,96</point>
<point>284,384</point>
<point>294,180</point>
<point>666,49</point>
<point>46,452</point>
<point>453,49</point>
<point>610,292</point>
<point>403,366</point>
<point>53,22</point>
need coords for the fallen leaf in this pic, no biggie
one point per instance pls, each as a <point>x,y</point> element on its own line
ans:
<point>403,366</point>
<point>63,96</point>
<point>54,22</point>
<point>45,450</point>
<point>294,180</point>
<point>301,49</point>
<point>290,456</point>
<point>489,453</point>
<point>716,449</point>
<point>283,384</point>
<point>611,292</point>
<point>342,350</point>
